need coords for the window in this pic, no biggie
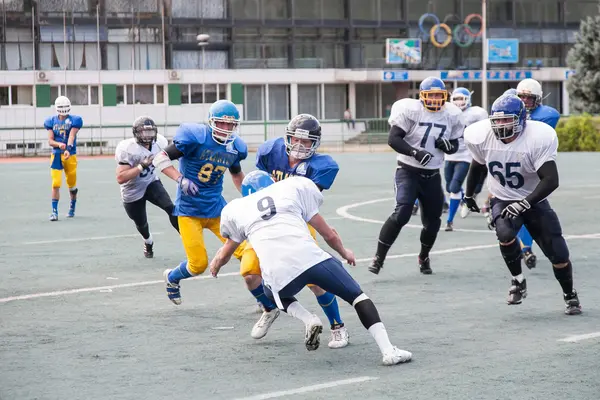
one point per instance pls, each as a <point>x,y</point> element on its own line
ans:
<point>274,9</point>
<point>94,95</point>
<point>334,9</point>
<point>307,9</point>
<point>575,10</point>
<point>77,94</point>
<point>279,102</point>
<point>366,10</point>
<point>336,101</point>
<point>3,95</point>
<point>160,94</point>
<point>366,100</point>
<point>416,8</point>
<point>254,98</point>
<point>210,93</point>
<point>391,10</point>
<point>222,92</point>
<point>196,94</point>
<point>245,9</point>
<point>497,11</point>
<point>22,95</point>
<point>185,94</point>
<point>550,11</point>
<point>144,94</point>
<point>309,100</point>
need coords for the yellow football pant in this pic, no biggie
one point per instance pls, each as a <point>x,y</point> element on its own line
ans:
<point>70,167</point>
<point>192,236</point>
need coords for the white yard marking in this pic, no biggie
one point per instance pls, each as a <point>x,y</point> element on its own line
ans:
<point>82,239</point>
<point>343,212</point>
<point>311,388</point>
<point>579,338</point>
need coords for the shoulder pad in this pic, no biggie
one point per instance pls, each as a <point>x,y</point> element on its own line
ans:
<point>267,147</point>
<point>477,133</point>
<point>49,123</point>
<point>323,161</point>
<point>539,132</point>
<point>240,145</point>
<point>76,121</point>
<point>188,132</point>
<point>161,141</point>
<point>410,108</point>
<point>451,109</point>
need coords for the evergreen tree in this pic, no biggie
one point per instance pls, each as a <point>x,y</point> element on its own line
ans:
<point>584,58</point>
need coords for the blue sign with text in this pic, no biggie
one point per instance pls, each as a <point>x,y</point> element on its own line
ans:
<point>390,76</point>
<point>505,51</point>
<point>498,75</point>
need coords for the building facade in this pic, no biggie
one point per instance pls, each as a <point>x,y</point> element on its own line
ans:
<point>272,57</point>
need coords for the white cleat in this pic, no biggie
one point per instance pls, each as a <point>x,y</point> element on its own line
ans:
<point>173,292</point>
<point>311,335</point>
<point>396,356</point>
<point>261,327</point>
<point>464,211</point>
<point>339,338</point>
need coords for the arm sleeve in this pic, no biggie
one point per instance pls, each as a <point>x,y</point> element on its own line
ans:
<point>545,153</point>
<point>548,174</point>
<point>396,141</point>
<point>173,152</point>
<point>229,229</point>
<point>310,199</point>
<point>474,177</point>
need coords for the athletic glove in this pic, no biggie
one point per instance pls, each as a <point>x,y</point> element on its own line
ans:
<point>422,156</point>
<point>188,187</point>
<point>444,145</point>
<point>513,210</point>
<point>471,204</point>
<point>146,162</point>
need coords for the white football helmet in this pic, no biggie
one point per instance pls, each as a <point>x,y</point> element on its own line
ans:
<point>530,92</point>
<point>62,105</point>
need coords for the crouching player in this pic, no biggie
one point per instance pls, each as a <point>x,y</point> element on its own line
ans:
<point>273,217</point>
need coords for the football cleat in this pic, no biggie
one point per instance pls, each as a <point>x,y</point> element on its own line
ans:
<point>490,222</point>
<point>71,213</point>
<point>339,338</point>
<point>312,332</point>
<point>517,292</point>
<point>464,211</point>
<point>530,259</point>
<point>572,305</point>
<point>396,356</point>
<point>425,267</point>
<point>148,250</point>
<point>172,289</point>
<point>415,209</point>
<point>376,265</point>
<point>449,227</point>
<point>53,217</point>
<point>262,326</point>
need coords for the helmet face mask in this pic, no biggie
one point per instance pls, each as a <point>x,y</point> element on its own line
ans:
<point>62,105</point>
<point>461,98</point>
<point>508,117</point>
<point>433,93</point>
<point>530,92</point>
<point>224,120</point>
<point>302,136</point>
<point>145,131</point>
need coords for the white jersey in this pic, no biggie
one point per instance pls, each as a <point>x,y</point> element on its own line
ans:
<point>469,116</point>
<point>274,222</point>
<point>512,166</point>
<point>129,152</point>
<point>424,127</point>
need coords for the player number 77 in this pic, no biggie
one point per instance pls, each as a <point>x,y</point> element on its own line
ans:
<point>430,125</point>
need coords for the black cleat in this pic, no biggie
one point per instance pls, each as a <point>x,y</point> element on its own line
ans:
<point>530,259</point>
<point>572,305</point>
<point>425,267</point>
<point>449,227</point>
<point>517,292</point>
<point>376,265</point>
<point>148,252</point>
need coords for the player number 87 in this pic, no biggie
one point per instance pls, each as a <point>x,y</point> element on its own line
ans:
<point>207,170</point>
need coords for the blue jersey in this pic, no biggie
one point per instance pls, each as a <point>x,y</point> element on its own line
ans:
<point>545,114</point>
<point>204,162</point>
<point>62,129</point>
<point>272,158</point>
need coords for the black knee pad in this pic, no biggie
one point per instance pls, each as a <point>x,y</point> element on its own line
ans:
<point>402,214</point>
<point>557,250</point>
<point>504,230</point>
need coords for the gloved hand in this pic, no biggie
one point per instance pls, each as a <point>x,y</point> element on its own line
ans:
<point>188,187</point>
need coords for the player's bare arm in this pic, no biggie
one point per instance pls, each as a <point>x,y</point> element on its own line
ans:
<point>163,163</point>
<point>53,142</point>
<point>70,142</point>
<point>237,176</point>
<point>477,173</point>
<point>396,141</point>
<point>223,256</point>
<point>332,238</point>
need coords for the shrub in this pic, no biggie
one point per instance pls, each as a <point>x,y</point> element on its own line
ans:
<point>579,133</point>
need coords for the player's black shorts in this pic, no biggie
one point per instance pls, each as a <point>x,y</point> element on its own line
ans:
<point>416,183</point>
<point>541,222</point>
<point>155,194</point>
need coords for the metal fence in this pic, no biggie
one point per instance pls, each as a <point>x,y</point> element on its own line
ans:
<point>337,135</point>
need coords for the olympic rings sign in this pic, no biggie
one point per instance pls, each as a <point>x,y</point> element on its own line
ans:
<point>450,33</point>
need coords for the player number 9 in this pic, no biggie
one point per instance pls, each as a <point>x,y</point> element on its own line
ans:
<point>207,170</point>
<point>267,204</point>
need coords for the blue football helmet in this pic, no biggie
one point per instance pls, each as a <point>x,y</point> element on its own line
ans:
<point>511,91</point>
<point>508,116</point>
<point>461,98</point>
<point>433,93</point>
<point>223,119</point>
<point>255,181</point>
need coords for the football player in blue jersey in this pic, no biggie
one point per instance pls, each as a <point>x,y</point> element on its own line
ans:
<point>530,92</point>
<point>62,137</point>
<point>204,152</point>
<point>295,155</point>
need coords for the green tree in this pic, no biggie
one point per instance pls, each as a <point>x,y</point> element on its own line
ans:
<point>584,58</point>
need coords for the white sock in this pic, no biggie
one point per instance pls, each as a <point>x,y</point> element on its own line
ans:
<point>150,240</point>
<point>381,337</point>
<point>519,278</point>
<point>296,310</point>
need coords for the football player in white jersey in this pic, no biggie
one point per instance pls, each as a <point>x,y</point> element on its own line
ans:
<point>138,180</point>
<point>457,164</point>
<point>273,217</point>
<point>422,132</point>
<point>521,157</point>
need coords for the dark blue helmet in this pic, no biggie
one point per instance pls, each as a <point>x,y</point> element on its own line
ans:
<point>144,130</point>
<point>433,93</point>
<point>511,91</point>
<point>223,119</point>
<point>508,116</point>
<point>255,181</point>
<point>304,128</point>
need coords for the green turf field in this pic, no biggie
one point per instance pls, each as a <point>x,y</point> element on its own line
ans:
<point>83,315</point>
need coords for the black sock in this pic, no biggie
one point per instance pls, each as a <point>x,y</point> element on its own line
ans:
<point>564,276</point>
<point>512,257</point>
<point>367,313</point>
<point>387,236</point>
<point>144,231</point>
